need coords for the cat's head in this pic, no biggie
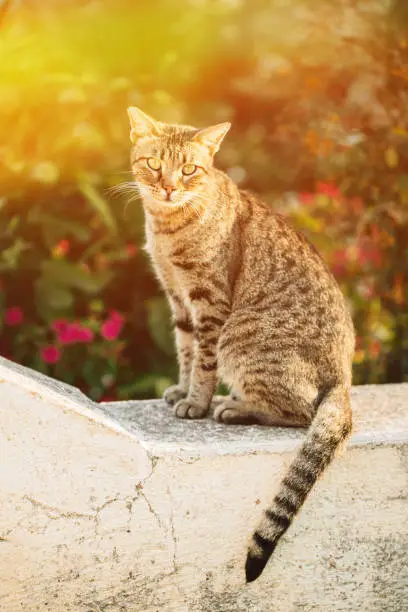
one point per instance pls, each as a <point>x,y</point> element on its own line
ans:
<point>171,163</point>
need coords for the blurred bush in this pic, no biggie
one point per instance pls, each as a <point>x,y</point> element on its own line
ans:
<point>317,95</point>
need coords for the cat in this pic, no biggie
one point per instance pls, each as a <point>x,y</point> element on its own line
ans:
<point>253,304</point>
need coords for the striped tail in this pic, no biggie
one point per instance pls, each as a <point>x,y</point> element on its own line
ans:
<point>330,426</point>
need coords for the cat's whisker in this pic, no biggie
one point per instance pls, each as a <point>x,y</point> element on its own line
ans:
<point>123,183</point>
<point>199,199</point>
<point>137,196</point>
<point>122,188</point>
<point>127,172</point>
<point>215,212</point>
<point>190,202</point>
<point>197,212</point>
<point>131,188</point>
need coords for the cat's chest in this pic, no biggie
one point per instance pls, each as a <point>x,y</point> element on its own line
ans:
<point>179,264</point>
<point>174,257</point>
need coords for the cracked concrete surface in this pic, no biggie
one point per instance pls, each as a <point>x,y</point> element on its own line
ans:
<point>122,507</point>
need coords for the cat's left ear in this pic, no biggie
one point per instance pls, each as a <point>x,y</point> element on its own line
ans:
<point>141,124</point>
<point>213,136</point>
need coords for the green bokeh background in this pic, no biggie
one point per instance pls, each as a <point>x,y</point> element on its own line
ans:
<point>317,94</point>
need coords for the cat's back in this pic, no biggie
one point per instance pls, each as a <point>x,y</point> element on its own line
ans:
<point>282,270</point>
<point>276,241</point>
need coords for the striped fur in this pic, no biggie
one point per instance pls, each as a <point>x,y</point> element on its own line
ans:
<point>330,426</point>
<point>253,304</point>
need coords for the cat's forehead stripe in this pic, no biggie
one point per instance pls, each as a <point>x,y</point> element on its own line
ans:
<point>175,146</point>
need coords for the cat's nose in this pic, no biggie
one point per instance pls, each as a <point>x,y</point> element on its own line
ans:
<point>169,190</point>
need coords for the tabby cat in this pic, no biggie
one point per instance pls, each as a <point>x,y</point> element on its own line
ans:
<point>253,305</point>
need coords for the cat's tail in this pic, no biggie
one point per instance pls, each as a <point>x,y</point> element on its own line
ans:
<point>330,426</point>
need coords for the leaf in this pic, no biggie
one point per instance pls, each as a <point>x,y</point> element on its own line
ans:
<point>59,227</point>
<point>391,157</point>
<point>403,183</point>
<point>159,324</point>
<point>10,258</point>
<point>58,298</point>
<point>145,386</point>
<point>98,204</point>
<point>161,385</point>
<point>51,298</point>
<point>66,274</point>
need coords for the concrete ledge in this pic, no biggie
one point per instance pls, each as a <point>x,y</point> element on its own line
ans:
<point>122,507</point>
<point>380,416</point>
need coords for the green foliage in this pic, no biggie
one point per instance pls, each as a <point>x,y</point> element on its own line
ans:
<point>315,112</point>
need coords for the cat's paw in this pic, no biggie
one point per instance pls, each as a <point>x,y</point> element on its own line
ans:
<point>187,409</point>
<point>234,412</point>
<point>174,394</point>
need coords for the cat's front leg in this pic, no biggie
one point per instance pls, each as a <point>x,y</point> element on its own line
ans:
<point>185,352</point>
<point>207,327</point>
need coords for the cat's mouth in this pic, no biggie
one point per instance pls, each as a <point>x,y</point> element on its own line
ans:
<point>161,198</point>
<point>170,199</point>
<point>165,202</point>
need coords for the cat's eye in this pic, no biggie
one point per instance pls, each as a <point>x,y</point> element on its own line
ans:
<point>189,169</point>
<point>154,163</point>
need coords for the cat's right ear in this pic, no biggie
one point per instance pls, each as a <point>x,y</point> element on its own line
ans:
<point>141,124</point>
<point>213,136</point>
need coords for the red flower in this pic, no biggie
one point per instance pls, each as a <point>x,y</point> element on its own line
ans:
<point>14,316</point>
<point>328,189</point>
<point>307,198</point>
<point>374,349</point>
<point>370,255</point>
<point>131,250</point>
<point>50,354</point>
<point>356,205</point>
<point>61,249</point>
<point>112,327</point>
<point>340,259</point>
<point>108,398</point>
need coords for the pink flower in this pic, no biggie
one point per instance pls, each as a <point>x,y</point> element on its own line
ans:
<point>59,325</point>
<point>14,316</point>
<point>50,354</point>
<point>112,327</point>
<point>116,316</point>
<point>84,334</point>
<point>328,189</point>
<point>66,331</point>
<point>70,333</point>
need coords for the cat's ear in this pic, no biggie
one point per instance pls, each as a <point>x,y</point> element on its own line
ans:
<point>141,124</point>
<point>213,136</point>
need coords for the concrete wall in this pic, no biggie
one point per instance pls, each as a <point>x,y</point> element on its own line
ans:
<point>123,507</point>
